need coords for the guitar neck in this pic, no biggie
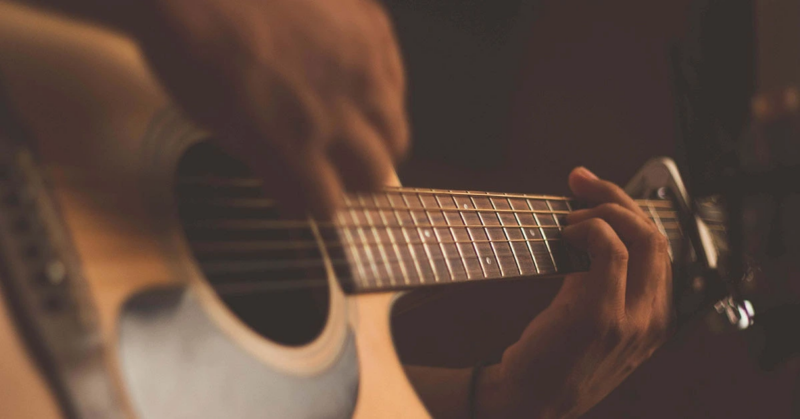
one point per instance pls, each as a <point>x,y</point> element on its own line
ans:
<point>405,238</point>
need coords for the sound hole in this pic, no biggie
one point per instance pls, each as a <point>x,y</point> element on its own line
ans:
<point>266,268</point>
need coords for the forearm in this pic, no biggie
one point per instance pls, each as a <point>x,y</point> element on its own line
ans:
<point>446,392</point>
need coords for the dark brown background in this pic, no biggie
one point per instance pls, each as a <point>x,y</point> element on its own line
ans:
<point>510,95</point>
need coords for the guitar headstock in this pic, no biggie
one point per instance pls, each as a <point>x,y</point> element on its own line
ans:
<point>699,251</point>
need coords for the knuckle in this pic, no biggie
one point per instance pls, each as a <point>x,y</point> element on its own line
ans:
<point>607,329</point>
<point>602,236</point>
<point>657,242</point>
<point>618,252</point>
<point>598,227</point>
<point>609,208</point>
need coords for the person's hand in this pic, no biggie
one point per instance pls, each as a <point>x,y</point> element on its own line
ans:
<point>603,323</point>
<point>309,92</point>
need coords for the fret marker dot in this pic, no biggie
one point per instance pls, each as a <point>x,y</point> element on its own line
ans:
<point>427,234</point>
<point>533,233</point>
<point>488,261</point>
<point>466,206</point>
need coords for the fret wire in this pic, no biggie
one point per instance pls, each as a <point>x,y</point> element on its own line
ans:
<point>450,269</point>
<point>472,241</point>
<point>356,257</point>
<point>393,241</point>
<point>558,224</point>
<point>367,252</point>
<point>522,227</point>
<point>505,234</point>
<point>411,251</point>
<point>456,279</point>
<point>491,245</point>
<point>355,250</point>
<point>541,231</point>
<point>422,238</point>
<point>461,254</point>
<point>381,248</point>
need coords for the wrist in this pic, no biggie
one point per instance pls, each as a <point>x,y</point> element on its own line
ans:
<point>494,395</point>
<point>500,393</point>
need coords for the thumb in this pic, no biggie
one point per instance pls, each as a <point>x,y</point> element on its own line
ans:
<point>606,280</point>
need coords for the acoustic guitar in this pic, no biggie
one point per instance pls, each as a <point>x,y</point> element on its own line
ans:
<point>145,275</point>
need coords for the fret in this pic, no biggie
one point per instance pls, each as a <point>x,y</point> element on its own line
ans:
<point>417,251</point>
<point>559,250</point>
<point>367,250</point>
<point>545,220</point>
<point>389,264</point>
<point>509,266</point>
<point>480,238</point>
<point>455,265</point>
<point>353,251</point>
<point>403,259</point>
<point>524,261</point>
<point>465,249</point>
<point>419,217</point>
<point>539,250</point>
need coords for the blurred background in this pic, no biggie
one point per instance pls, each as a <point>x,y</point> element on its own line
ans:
<point>510,95</point>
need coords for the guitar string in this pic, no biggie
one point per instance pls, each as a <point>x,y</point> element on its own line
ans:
<point>296,244</point>
<point>234,286</point>
<point>253,224</point>
<point>253,203</point>
<point>668,213</point>
<point>254,183</point>
<point>385,263</point>
<point>208,246</point>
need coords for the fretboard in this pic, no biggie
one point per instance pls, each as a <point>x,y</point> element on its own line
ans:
<point>405,238</point>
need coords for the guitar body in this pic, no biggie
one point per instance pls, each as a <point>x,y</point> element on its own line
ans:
<point>103,129</point>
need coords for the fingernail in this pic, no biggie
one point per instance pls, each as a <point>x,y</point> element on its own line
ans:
<point>586,173</point>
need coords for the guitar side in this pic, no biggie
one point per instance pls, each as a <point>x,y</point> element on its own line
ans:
<point>89,100</point>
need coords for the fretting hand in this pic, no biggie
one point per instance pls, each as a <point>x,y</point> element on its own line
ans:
<point>602,324</point>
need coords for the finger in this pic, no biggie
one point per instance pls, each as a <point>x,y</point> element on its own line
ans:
<point>646,248</point>
<point>382,102</point>
<point>358,154</point>
<point>384,108</point>
<point>607,274</point>
<point>301,184</point>
<point>594,191</point>
<point>391,58</point>
<point>629,226</point>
